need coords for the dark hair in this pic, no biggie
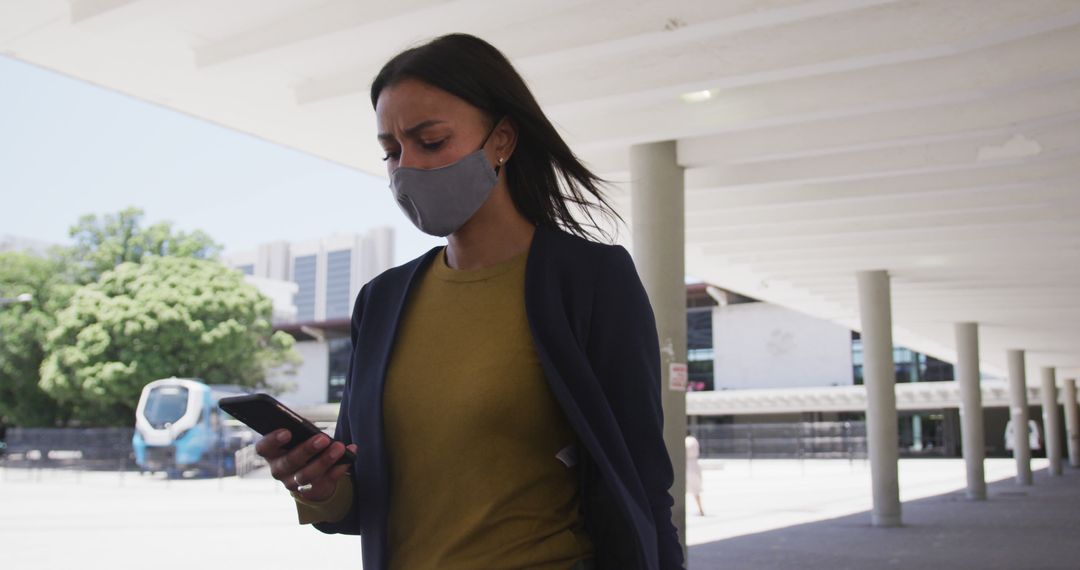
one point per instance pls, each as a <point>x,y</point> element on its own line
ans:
<point>475,71</point>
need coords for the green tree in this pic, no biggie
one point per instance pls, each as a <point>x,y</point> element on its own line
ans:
<point>103,243</point>
<point>23,327</point>
<point>166,316</point>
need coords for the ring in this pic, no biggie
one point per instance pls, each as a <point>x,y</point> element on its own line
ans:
<point>300,488</point>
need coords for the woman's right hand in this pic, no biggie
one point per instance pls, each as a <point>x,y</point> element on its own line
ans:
<point>311,462</point>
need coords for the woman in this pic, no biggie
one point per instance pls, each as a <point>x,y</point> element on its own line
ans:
<point>503,396</point>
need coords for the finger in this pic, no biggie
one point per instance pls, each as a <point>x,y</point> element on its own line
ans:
<point>269,446</point>
<point>290,483</point>
<point>321,464</point>
<point>337,472</point>
<point>301,455</point>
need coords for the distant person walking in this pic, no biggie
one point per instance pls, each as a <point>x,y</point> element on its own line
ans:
<point>503,397</point>
<point>693,471</point>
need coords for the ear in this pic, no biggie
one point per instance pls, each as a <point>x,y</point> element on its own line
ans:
<point>505,138</point>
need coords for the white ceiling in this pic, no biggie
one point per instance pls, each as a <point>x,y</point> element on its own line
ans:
<point>937,139</point>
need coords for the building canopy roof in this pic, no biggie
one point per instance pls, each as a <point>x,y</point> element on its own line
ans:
<point>936,140</point>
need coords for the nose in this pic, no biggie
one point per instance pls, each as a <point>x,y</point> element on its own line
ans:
<point>405,158</point>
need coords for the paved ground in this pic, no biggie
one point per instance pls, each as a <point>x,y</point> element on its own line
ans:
<point>768,514</point>
<point>1017,528</point>
<point>102,521</point>
<point>743,497</point>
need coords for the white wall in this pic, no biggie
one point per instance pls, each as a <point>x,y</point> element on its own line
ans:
<point>311,375</point>
<point>281,295</point>
<point>760,345</point>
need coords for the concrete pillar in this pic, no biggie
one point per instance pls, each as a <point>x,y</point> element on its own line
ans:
<point>916,432</point>
<point>1072,422</point>
<point>1051,419</point>
<point>879,375</point>
<point>1018,413</point>
<point>657,223</point>
<point>971,410</point>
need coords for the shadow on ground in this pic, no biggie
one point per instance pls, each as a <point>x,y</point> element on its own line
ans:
<point>1034,527</point>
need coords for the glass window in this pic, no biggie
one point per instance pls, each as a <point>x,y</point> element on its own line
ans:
<point>701,375</point>
<point>304,277</point>
<point>338,270</point>
<point>340,351</point>
<point>165,405</point>
<point>909,366</point>
<point>934,370</point>
<point>699,343</point>
<point>699,328</point>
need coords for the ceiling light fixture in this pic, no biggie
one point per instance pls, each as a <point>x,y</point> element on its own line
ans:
<point>696,96</point>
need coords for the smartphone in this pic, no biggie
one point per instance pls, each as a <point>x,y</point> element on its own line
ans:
<point>264,414</point>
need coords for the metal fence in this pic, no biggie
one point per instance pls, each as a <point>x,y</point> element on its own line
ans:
<point>110,448</point>
<point>839,440</point>
<point>83,448</point>
<point>95,449</point>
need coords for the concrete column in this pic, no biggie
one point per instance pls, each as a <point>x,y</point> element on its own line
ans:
<point>916,432</point>
<point>1072,422</point>
<point>657,223</point>
<point>1051,419</point>
<point>1018,413</point>
<point>971,410</point>
<point>879,375</point>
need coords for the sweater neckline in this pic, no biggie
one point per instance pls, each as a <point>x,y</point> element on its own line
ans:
<point>446,273</point>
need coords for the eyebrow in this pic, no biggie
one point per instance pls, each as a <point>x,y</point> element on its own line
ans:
<point>413,129</point>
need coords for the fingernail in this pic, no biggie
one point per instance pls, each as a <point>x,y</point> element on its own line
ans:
<point>283,436</point>
<point>336,451</point>
<point>321,442</point>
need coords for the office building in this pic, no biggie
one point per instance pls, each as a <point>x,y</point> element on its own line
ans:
<point>313,285</point>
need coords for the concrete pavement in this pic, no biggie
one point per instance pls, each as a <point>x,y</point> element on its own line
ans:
<point>1026,528</point>
<point>765,514</point>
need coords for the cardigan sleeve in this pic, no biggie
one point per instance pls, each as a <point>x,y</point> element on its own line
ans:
<point>330,510</point>
<point>349,523</point>
<point>624,351</point>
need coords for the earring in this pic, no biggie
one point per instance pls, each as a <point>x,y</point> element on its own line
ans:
<point>500,160</point>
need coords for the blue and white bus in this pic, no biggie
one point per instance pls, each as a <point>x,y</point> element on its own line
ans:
<point>179,427</point>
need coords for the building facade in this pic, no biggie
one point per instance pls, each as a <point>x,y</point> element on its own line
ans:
<point>313,285</point>
<point>739,343</point>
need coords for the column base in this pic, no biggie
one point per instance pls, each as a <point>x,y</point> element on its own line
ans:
<point>884,521</point>
<point>976,495</point>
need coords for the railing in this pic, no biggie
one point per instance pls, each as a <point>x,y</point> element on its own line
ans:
<point>84,448</point>
<point>803,440</point>
<point>92,449</point>
<point>248,461</point>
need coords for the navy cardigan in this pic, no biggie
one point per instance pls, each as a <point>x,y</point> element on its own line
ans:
<point>595,336</point>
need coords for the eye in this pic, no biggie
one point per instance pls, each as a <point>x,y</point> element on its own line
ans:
<point>432,145</point>
<point>390,154</point>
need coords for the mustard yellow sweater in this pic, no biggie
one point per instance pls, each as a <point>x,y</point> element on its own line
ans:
<point>477,442</point>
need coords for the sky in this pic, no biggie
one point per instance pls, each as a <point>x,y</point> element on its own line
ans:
<point>69,148</point>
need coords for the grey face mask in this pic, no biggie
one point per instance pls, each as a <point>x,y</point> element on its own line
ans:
<point>440,200</point>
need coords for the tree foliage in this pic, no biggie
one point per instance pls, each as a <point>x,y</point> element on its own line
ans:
<point>125,304</point>
<point>165,316</point>
<point>22,336</point>
<point>103,243</point>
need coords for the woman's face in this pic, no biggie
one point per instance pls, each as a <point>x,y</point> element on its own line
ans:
<point>421,126</point>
